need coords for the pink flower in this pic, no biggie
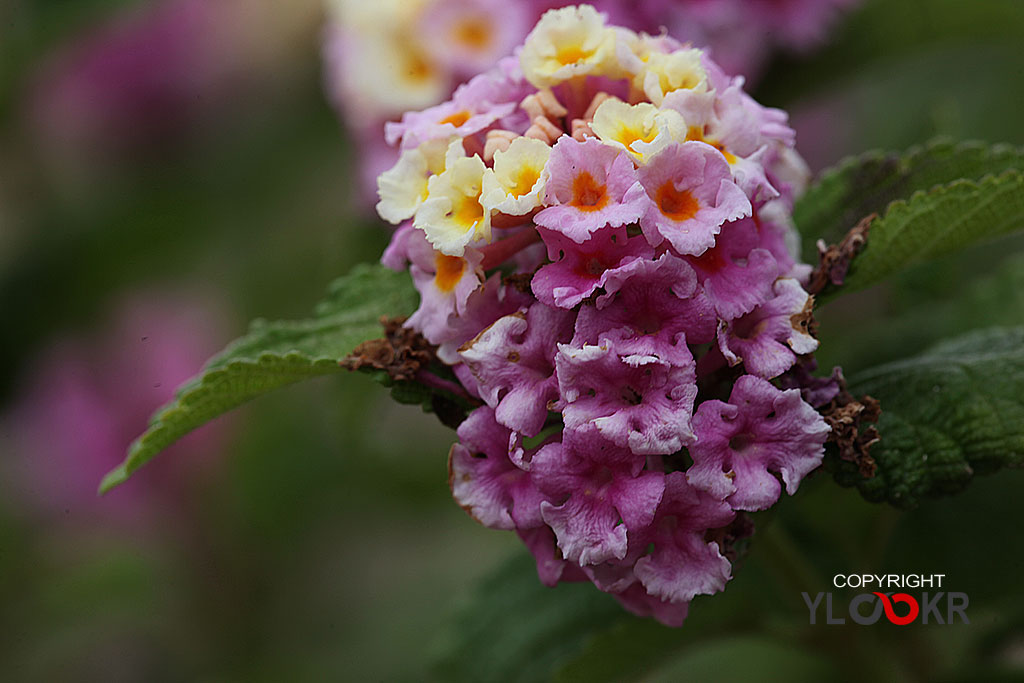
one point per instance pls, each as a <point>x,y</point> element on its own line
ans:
<point>689,194</point>
<point>577,271</point>
<point>89,396</point>
<point>445,284</point>
<point>621,237</point>
<point>682,564</point>
<point>513,362</point>
<point>777,234</point>
<point>484,306</point>
<point>738,127</point>
<point>593,504</point>
<point>586,189</point>
<point>551,566</point>
<point>657,300</point>
<point>484,480</point>
<point>474,107</point>
<point>736,274</point>
<point>469,36</point>
<point>768,339</point>
<point>760,431</point>
<point>626,393</point>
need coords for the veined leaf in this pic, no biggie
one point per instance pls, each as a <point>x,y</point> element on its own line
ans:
<point>869,183</point>
<point>952,412</point>
<point>938,222</point>
<point>274,355</point>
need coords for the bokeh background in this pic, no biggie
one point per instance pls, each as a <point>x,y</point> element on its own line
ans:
<point>171,169</point>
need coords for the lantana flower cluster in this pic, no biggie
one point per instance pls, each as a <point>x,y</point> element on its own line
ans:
<point>599,230</point>
<point>385,57</point>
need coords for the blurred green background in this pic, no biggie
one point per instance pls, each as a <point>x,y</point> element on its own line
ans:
<point>312,536</point>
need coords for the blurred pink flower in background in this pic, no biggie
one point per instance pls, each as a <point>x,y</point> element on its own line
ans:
<point>386,57</point>
<point>139,79</point>
<point>155,76</point>
<point>88,396</point>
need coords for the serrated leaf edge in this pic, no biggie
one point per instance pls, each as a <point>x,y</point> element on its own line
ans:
<point>183,399</point>
<point>906,204</point>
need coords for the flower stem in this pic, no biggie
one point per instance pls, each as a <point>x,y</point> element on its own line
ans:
<point>497,253</point>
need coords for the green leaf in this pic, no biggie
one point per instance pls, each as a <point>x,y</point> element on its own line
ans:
<point>274,355</point>
<point>947,414</point>
<point>869,183</point>
<point>741,658</point>
<point>930,224</point>
<point>517,629</point>
<point>997,298</point>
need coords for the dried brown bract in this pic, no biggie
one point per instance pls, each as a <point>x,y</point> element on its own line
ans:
<point>804,320</point>
<point>401,352</point>
<point>835,259</point>
<point>848,417</point>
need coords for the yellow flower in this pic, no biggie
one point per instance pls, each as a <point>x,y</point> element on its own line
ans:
<point>403,187</point>
<point>452,216</point>
<point>664,73</point>
<point>640,129</point>
<point>515,184</point>
<point>568,42</point>
<point>387,69</point>
<point>633,50</point>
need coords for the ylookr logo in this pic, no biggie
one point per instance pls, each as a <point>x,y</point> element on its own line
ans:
<point>928,607</point>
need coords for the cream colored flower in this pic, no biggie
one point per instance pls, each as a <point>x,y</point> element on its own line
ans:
<point>640,129</point>
<point>633,50</point>
<point>452,216</point>
<point>664,73</point>
<point>386,69</point>
<point>403,187</point>
<point>515,185</point>
<point>569,42</point>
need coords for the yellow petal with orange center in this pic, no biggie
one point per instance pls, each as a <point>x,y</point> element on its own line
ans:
<point>417,68</point>
<point>570,54</point>
<point>524,181</point>
<point>468,212</point>
<point>628,135</point>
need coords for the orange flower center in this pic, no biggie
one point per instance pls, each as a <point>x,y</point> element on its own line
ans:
<point>468,212</point>
<point>587,195</point>
<point>474,32</point>
<point>628,136</point>
<point>418,68</point>
<point>449,271</point>
<point>524,182</point>
<point>456,119</point>
<point>679,205</point>
<point>571,54</point>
